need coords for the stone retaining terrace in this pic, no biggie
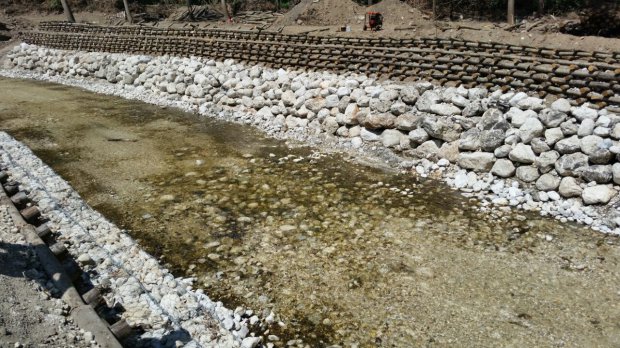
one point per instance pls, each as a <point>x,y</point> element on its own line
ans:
<point>578,75</point>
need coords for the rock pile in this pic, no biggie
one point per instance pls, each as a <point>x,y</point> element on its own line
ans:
<point>556,150</point>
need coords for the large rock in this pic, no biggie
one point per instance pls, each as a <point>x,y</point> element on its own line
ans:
<point>616,173</point>
<point>315,104</point>
<point>477,93</point>
<point>586,128</point>
<point>473,109</point>
<point>476,161</point>
<point>330,125</point>
<point>388,95</point>
<point>379,105</point>
<point>407,122</point>
<point>601,174</point>
<point>459,101</point>
<point>368,135</point>
<point>531,128</point>
<point>527,173</point>
<point>561,105</point>
<point>548,182</point>
<point>426,100</point>
<point>391,137</point>
<point>569,187</point>
<point>539,145</point>
<point>615,132</point>
<point>331,101</point>
<point>502,151</point>
<point>551,118</point>
<point>288,98</point>
<point>567,165</point>
<point>597,149</point>
<point>445,109</point>
<point>582,112</point>
<point>351,115</point>
<point>569,127</point>
<point>441,128</point>
<point>409,95</point>
<point>250,342</point>
<point>546,161</point>
<point>428,149</point>
<point>522,153</point>
<point>470,140</point>
<point>599,194</point>
<point>503,168</point>
<point>493,119</point>
<point>553,135</point>
<point>491,139</point>
<point>531,103</point>
<point>449,151</point>
<point>518,117</point>
<point>398,108</point>
<point>378,121</point>
<point>418,136</point>
<point>568,145</point>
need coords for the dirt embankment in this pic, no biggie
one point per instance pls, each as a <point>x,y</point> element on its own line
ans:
<point>402,20</point>
<point>339,12</point>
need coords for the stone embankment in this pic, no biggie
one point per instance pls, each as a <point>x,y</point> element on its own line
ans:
<point>581,76</point>
<point>166,309</point>
<point>507,148</point>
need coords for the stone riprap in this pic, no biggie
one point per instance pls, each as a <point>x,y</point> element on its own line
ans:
<point>167,308</point>
<point>560,158</point>
<point>582,76</point>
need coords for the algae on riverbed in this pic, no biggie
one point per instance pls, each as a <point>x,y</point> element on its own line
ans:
<point>342,253</point>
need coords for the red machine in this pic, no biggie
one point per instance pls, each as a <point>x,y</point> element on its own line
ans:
<point>373,21</point>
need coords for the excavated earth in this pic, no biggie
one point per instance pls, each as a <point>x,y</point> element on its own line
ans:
<point>343,253</point>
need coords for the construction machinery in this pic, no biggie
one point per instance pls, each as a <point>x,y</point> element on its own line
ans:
<point>373,21</point>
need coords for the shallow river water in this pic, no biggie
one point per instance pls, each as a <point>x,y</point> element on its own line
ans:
<point>342,253</point>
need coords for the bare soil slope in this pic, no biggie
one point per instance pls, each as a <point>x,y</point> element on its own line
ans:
<point>402,20</point>
<point>343,12</point>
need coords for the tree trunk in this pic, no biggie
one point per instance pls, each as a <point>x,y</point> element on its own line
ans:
<point>127,12</point>
<point>68,11</point>
<point>541,7</point>
<point>511,12</point>
<point>226,10</point>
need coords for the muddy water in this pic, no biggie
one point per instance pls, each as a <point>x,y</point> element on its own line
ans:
<point>342,253</point>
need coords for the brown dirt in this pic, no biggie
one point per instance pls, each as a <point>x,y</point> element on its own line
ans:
<point>399,16</point>
<point>339,12</point>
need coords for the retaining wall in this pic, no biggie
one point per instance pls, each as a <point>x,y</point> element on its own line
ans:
<point>578,75</point>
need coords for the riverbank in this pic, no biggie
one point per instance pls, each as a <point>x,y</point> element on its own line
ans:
<point>506,149</point>
<point>265,108</point>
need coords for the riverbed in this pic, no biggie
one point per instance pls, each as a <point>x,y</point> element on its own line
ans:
<point>340,252</point>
